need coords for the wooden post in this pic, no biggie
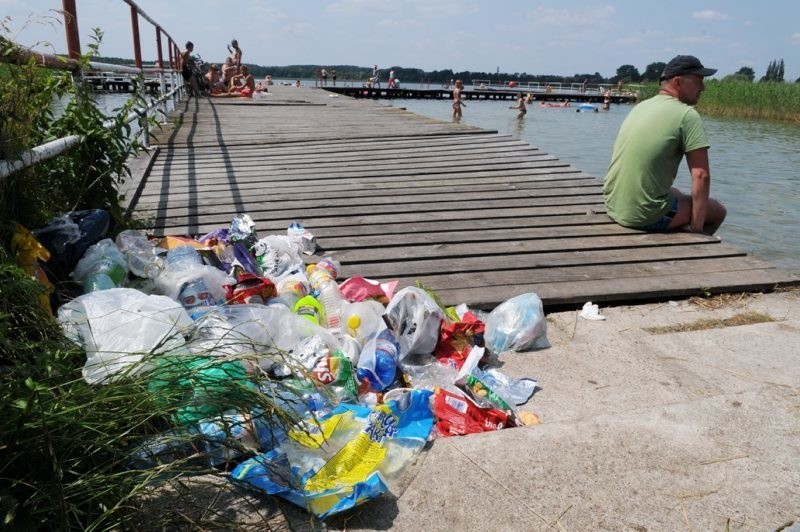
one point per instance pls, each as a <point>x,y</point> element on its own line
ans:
<point>137,49</point>
<point>158,47</point>
<point>71,27</point>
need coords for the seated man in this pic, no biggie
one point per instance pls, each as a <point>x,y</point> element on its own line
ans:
<point>650,145</point>
<point>229,70</point>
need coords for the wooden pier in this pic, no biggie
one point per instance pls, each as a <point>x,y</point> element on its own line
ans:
<point>477,216</point>
<point>480,94</point>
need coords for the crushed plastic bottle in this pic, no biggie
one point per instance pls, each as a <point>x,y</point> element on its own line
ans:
<point>140,254</point>
<point>183,258</point>
<point>102,267</point>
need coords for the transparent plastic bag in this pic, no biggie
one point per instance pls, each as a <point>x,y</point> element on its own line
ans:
<point>517,324</point>
<point>415,320</point>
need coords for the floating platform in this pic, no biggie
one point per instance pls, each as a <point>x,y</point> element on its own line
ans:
<point>477,216</point>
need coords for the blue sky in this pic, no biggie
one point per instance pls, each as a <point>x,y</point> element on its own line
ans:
<point>563,38</point>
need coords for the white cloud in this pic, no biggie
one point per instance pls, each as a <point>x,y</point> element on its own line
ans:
<point>709,14</point>
<point>795,38</point>
<point>361,6</point>
<point>549,17</point>
<point>297,30</point>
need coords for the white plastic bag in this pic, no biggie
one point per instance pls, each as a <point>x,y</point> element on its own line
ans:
<point>278,256</point>
<point>517,324</point>
<point>118,326</point>
<point>415,318</point>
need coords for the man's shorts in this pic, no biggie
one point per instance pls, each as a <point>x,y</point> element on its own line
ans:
<point>665,220</point>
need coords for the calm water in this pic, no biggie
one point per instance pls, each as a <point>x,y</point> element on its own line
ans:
<point>755,166</point>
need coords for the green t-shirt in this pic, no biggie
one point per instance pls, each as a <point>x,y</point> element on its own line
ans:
<point>648,150</point>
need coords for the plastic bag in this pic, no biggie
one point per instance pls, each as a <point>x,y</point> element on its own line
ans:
<point>68,237</point>
<point>202,387</point>
<point>360,289</point>
<point>346,458</point>
<point>377,362</point>
<point>415,319</point>
<point>457,414</point>
<point>517,324</point>
<point>117,327</point>
<point>271,334</point>
<point>278,256</point>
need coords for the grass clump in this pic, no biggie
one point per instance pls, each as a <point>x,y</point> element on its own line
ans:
<point>78,456</point>
<point>745,318</point>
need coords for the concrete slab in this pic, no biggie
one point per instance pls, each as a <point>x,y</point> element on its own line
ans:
<point>641,431</point>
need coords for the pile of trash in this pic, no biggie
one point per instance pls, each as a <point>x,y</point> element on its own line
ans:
<point>371,373</point>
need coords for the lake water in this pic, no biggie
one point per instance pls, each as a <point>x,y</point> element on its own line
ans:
<point>755,166</point>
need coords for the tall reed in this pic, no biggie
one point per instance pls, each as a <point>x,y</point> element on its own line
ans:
<point>743,99</point>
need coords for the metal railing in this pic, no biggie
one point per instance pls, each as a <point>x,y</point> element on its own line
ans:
<point>22,55</point>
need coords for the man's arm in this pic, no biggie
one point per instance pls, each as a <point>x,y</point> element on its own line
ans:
<point>701,186</point>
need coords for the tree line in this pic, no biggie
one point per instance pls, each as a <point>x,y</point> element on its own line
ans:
<point>350,73</point>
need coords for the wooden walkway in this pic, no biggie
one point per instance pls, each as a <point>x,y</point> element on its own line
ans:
<point>476,216</point>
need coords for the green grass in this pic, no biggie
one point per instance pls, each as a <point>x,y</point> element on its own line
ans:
<point>743,99</point>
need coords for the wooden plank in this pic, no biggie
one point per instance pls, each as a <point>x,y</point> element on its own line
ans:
<point>477,216</point>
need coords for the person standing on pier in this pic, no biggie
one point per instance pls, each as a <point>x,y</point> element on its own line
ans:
<point>457,101</point>
<point>376,79</point>
<point>236,53</point>
<point>188,68</point>
<point>650,145</point>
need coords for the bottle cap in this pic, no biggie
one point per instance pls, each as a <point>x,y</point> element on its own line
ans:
<point>354,321</point>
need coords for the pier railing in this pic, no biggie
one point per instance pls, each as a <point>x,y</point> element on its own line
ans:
<point>163,72</point>
<point>544,87</point>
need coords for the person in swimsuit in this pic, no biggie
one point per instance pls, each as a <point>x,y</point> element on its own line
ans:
<point>457,101</point>
<point>236,53</point>
<point>188,68</point>
<point>521,106</point>
<point>243,85</point>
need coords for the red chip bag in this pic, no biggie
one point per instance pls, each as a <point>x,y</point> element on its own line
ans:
<point>357,289</point>
<point>458,414</point>
<point>457,339</point>
<point>250,289</point>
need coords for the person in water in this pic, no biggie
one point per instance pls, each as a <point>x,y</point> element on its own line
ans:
<point>652,141</point>
<point>457,101</point>
<point>521,106</point>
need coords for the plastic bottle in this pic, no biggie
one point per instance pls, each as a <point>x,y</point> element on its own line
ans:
<point>140,254</point>
<point>183,258</point>
<point>102,267</point>
<point>292,290</point>
<point>379,369</point>
<point>322,277</point>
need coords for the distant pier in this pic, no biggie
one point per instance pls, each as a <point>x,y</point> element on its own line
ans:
<point>479,94</point>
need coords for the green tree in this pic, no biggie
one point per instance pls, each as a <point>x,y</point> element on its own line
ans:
<point>653,71</point>
<point>628,73</point>
<point>746,73</point>
<point>775,71</point>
